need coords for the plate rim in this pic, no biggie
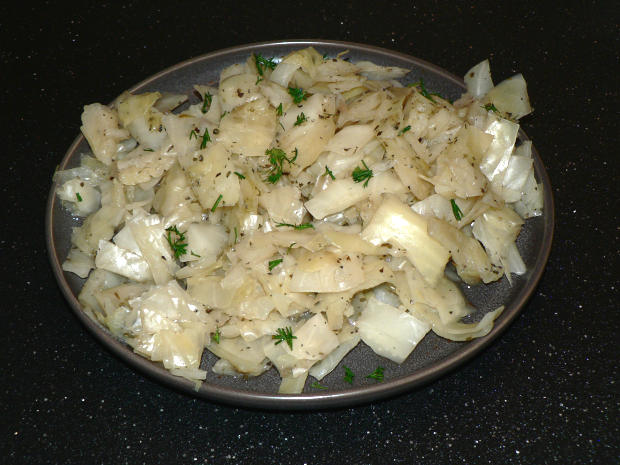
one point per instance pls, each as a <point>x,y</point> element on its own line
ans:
<point>321,400</point>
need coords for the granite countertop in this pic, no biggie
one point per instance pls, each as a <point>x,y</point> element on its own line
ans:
<point>544,392</point>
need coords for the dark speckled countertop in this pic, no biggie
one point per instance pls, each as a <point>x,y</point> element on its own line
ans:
<point>545,392</point>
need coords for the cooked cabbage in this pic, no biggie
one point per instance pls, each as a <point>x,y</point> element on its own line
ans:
<point>302,205</point>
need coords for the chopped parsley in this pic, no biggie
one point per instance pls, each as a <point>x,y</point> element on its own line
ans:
<point>404,130</point>
<point>223,114</point>
<point>329,173</point>
<point>79,197</point>
<point>296,226</point>
<point>491,107</point>
<point>206,102</point>
<point>263,63</point>
<point>194,254</point>
<point>298,94</point>
<point>458,214</point>
<point>425,93</point>
<point>377,374</point>
<point>216,336</point>
<point>276,158</point>
<point>178,246</point>
<point>239,175</point>
<point>205,138</point>
<point>348,375</point>
<point>258,79</point>
<point>284,334</point>
<point>301,118</point>
<point>317,385</point>
<point>288,249</point>
<point>148,150</point>
<point>360,174</point>
<point>274,263</point>
<point>279,110</point>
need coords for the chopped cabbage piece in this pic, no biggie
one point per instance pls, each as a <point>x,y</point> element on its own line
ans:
<point>348,339</point>
<point>144,122</point>
<point>389,331</point>
<point>100,126</point>
<point>249,128</point>
<point>395,223</point>
<point>212,176</point>
<point>314,339</point>
<point>140,165</point>
<point>510,97</point>
<point>497,230</point>
<point>246,357</point>
<point>478,80</point>
<point>284,205</point>
<point>82,198</point>
<point>79,263</point>
<point>376,72</point>
<point>327,272</point>
<point>112,258</point>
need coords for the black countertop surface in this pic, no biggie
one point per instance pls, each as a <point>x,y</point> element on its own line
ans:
<point>545,392</point>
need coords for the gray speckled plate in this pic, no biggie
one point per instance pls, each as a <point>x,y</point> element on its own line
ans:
<point>432,358</point>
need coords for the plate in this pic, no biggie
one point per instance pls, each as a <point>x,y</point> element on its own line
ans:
<point>432,358</point>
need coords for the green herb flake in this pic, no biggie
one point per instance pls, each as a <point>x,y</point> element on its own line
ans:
<point>491,107</point>
<point>289,248</point>
<point>299,227</point>
<point>205,138</point>
<point>79,197</point>
<point>360,174</point>
<point>194,254</point>
<point>274,263</point>
<point>317,385</point>
<point>236,235</point>
<point>425,93</point>
<point>404,130</point>
<point>458,214</point>
<point>193,133</point>
<point>348,375</point>
<point>263,63</point>
<point>284,334</point>
<point>178,246</point>
<point>377,374</point>
<point>301,118</point>
<point>329,173</point>
<point>239,175</point>
<point>206,102</point>
<point>279,110</point>
<point>298,94</point>
<point>223,114</point>
<point>216,336</point>
<point>148,150</point>
<point>276,158</point>
<point>325,56</point>
<point>217,202</point>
